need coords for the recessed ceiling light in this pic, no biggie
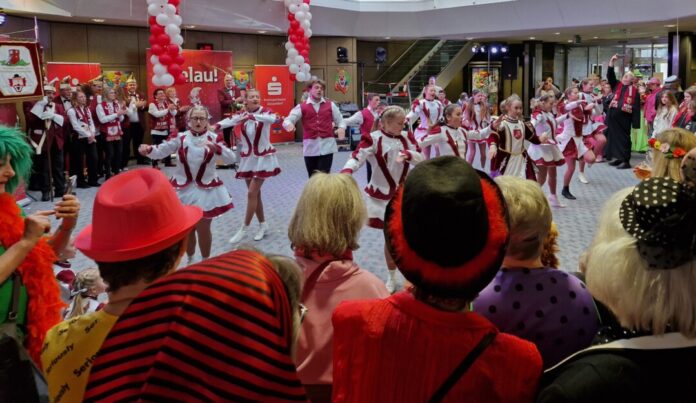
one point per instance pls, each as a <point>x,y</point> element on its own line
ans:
<point>556,33</point>
<point>189,26</point>
<point>670,25</point>
<point>656,37</point>
<point>470,38</point>
<point>595,37</point>
<point>98,19</point>
<point>261,32</point>
<point>570,41</point>
<point>387,37</point>
<point>532,37</point>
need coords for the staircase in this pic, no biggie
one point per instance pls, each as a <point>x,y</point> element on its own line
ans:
<point>424,59</point>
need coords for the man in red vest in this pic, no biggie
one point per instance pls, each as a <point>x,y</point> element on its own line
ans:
<point>365,119</point>
<point>319,115</point>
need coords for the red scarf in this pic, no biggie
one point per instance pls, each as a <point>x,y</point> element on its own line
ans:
<point>628,96</point>
<point>36,271</point>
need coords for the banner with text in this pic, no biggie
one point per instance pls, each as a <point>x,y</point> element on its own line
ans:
<point>79,73</point>
<point>278,94</point>
<point>205,73</point>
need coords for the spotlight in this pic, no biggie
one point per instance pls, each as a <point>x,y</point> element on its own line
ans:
<point>3,17</point>
<point>474,48</point>
<point>482,49</point>
<point>504,49</point>
<point>341,54</point>
<point>494,49</point>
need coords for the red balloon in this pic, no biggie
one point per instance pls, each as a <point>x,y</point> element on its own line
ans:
<point>156,29</point>
<point>174,69</point>
<point>300,32</point>
<point>305,54</point>
<point>293,39</point>
<point>163,39</point>
<point>294,24</point>
<point>293,77</point>
<point>306,1</point>
<point>173,50</point>
<point>157,50</point>
<point>165,59</point>
<point>174,3</point>
<point>180,79</point>
<point>153,40</point>
<point>152,21</point>
<point>291,17</point>
<point>179,59</point>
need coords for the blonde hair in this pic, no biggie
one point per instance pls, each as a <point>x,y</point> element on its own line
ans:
<point>329,215</point>
<point>640,298</point>
<point>671,167</point>
<point>530,216</point>
<point>549,251</point>
<point>84,283</point>
<point>691,91</point>
<point>391,112</point>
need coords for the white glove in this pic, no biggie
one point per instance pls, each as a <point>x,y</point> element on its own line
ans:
<point>48,115</point>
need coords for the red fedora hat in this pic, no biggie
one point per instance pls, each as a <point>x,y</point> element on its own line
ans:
<point>135,214</point>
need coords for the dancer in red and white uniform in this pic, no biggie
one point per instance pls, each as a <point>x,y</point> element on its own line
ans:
<point>452,137</point>
<point>258,157</point>
<point>509,141</point>
<point>365,120</point>
<point>575,139</point>
<point>110,114</point>
<point>592,130</point>
<point>547,156</point>
<point>390,150</point>
<point>195,179</point>
<point>162,121</point>
<point>477,117</point>
<point>429,112</point>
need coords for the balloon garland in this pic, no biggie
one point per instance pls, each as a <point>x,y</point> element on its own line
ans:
<point>298,39</point>
<point>165,42</point>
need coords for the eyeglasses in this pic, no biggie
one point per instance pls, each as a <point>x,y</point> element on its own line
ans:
<point>303,312</point>
<point>197,119</point>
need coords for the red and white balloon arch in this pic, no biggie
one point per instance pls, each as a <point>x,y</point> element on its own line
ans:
<point>298,39</point>
<point>165,42</point>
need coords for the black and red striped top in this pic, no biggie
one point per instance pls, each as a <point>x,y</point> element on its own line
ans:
<point>220,330</point>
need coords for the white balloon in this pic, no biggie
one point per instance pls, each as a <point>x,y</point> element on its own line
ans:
<point>172,30</point>
<point>305,24</point>
<point>157,80</point>
<point>178,40</point>
<point>294,69</point>
<point>304,7</point>
<point>299,60</point>
<point>305,67</point>
<point>302,76</point>
<point>170,10</point>
<point>154,59</point>
<point>308,33</point>
<point>308,16</point>
<point>300,15</point>
<point>293,53</point>
<point>298,2</point>
<point>154,9</point>
<point>176,19</point>
<point>163,19</point>
<point>167,80</point>
<point>159,69</point>
<point>293,8</point>
<point>289,45</point>
<point>288,61</point>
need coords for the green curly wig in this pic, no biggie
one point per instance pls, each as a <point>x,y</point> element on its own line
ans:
<point>14,144</point>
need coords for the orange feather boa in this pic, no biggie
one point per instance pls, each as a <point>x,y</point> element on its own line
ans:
<point>36,271</point>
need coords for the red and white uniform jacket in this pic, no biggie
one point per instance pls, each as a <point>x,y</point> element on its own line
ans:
<point>254,129</point>
<point>452,141</point>
<point>511,140</point>
<point>363,119</point>
<point>428,112</point>
<point>546,123</point>
<point>45,125</point>
<point>110,120</point>
<point>93,101</point>
<point>197,161</point>
<point>318,120</point>
<point>161,118</point>
<point>81,123</point>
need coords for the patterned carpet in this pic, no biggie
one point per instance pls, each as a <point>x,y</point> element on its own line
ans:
<point>576,223</point>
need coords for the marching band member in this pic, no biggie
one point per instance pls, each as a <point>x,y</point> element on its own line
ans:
<point>508,142</point>
<point>162,115</point>
<point>96,88</point>
<point>84,136</point>
<point>181,110</point>
<point>429,111</point>
<point>390,150</point>
<point>45,134</point>
<point>258,158</point>
<point>133,131</point>
<point>365,119</point>
<point>318,116</point>
<point>195,178</point>
<point>592,131</point>
<point>547,156</point>
<point>477,117</point>
<point>229,96</point>
<point>452,137</point>
<point>110,114</point>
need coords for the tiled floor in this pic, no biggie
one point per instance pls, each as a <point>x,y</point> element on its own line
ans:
<point>576,222</point>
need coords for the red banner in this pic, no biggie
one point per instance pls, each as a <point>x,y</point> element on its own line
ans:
<point>278,94</point>
<point>80,73</point>
<point>205,73</point>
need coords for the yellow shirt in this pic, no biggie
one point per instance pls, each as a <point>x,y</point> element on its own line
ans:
<point>69,349</point>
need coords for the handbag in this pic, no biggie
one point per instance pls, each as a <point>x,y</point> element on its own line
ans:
<point>458,372</point>
<point>20,379</point>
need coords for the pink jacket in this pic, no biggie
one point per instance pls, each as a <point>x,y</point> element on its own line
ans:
<point>341,281</point>
<point>649,106</point>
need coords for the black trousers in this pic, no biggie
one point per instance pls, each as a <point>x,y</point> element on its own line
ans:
<point>229,138</point>
<point>83,152</point>
<point>618,135</point>
<point>112,162</point>
<point>49,165</point>
<point>101,154</point>
<point>132,137</point>
<point>156,140</point>
<point>320,163</point>
<point>369,172</point>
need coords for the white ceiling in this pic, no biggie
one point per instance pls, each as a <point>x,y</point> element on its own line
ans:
<point>512,20</point>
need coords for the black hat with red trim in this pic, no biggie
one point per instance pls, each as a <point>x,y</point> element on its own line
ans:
<point>447,228</point>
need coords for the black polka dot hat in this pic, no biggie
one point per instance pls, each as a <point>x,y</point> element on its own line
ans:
<point>660,213</point>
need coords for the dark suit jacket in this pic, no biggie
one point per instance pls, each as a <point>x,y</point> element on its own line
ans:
<point>36,126</point>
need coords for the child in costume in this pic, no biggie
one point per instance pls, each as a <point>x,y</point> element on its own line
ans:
<point>547,156</point>
<point>86,288</point>
<point>452,137</point>
<point>477,117</point>
<point>429,112</point>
